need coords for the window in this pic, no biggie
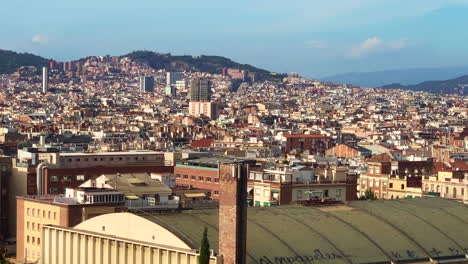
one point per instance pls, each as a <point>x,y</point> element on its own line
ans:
<point>371,183</point>
<point>216,192</point>
<point>38,241</point>
<point>299,194</point>
<point>67,178</point>
<point>111,158</point>
<point>185,176</point>
<point>402,186</point>
<point>78,160</point>
<point>27,225</point>
<point>34,210</point>
<point>27,239</point>
<point>178,176</point>
<point>363,182</point>
<point>103,228</point>
<point>55,215</point>
<point>80,177</point>
<point>193,177</point>
<point>463,191</point>
<point>208,179</point>
<point>53,189</point>
<point>216,180</point>
<point>377,183</point>
<point>384,184</point>
<point>391,185</point>
<point>86,159</point>
<point>48,215</point>
<point>43,213</point>
<point>27,211</point>
<point>33,240</point>
<point>3,168</point>
<point>33,226</point>
<point>338,192</point>
<point>325,193</point>
<point>454,192</point>
<point>200,178</point>
<point>258,191</point>
<point>53,178</point>
<point>377,170</point>
<point>251,176</point>
<point>446,191</point>
<point>266,193</point>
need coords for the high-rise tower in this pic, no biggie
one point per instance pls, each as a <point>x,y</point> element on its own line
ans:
<point>200,90</point>
<point>146,84</point>
<point>45,80</point>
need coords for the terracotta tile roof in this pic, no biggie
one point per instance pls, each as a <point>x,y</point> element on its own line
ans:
<point>459,165</point>
<point>384,157</point>
<point>202,143</point>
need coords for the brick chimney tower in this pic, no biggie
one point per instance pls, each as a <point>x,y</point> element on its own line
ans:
<point>233,212</point>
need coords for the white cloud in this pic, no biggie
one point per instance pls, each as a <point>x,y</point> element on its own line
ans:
<point>40,38</point>
<point>315,44</point>
<point>375,44</point>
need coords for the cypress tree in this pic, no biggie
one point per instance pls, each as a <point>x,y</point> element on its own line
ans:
<point>205,249</point>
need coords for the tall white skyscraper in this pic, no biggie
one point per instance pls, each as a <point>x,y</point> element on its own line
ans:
<point>45,80</point>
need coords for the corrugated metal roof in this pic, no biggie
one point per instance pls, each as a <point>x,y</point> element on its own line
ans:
<point>361,232</point>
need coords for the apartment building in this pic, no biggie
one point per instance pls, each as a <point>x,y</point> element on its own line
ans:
<point>450,181</point>
<point>289,185</point>
<point>77,205</point>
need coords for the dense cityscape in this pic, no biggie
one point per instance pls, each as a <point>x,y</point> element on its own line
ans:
<point>108,160</point>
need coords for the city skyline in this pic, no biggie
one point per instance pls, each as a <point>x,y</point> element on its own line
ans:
<point>312,38</point>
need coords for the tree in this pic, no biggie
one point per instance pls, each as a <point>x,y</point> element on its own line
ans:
<point>205,248</point>
<point>368,195</point>
<point>3,253</point>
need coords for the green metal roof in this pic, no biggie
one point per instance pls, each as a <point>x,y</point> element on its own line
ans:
<point>360,232</point>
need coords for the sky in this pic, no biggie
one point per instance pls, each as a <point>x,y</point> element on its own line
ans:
<point>315,38</point>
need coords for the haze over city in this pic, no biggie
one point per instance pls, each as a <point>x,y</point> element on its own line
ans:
<point>314,38</point>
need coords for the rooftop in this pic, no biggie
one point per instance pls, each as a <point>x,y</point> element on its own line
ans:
<point>361,232</point>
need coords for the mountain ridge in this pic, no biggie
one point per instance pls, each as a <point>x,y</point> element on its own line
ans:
<point>10,61</point>
<point>452,86</point>
<point>403,76</point>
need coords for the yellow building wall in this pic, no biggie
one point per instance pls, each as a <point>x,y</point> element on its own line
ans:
<point>37,215</point>
<point>72,246</point>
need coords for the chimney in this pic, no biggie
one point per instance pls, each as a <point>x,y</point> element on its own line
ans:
<point>233,212</point>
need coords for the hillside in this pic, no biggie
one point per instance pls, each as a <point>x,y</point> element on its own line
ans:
<point>10,61</point>
<point>403,76</point>
<point>452,86</point>
<point>211,64</point>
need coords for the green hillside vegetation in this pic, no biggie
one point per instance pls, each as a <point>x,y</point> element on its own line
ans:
<point>10,61</point>
<point>210,64</point>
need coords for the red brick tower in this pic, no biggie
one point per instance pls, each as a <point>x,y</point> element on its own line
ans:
<point>233,212</point>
